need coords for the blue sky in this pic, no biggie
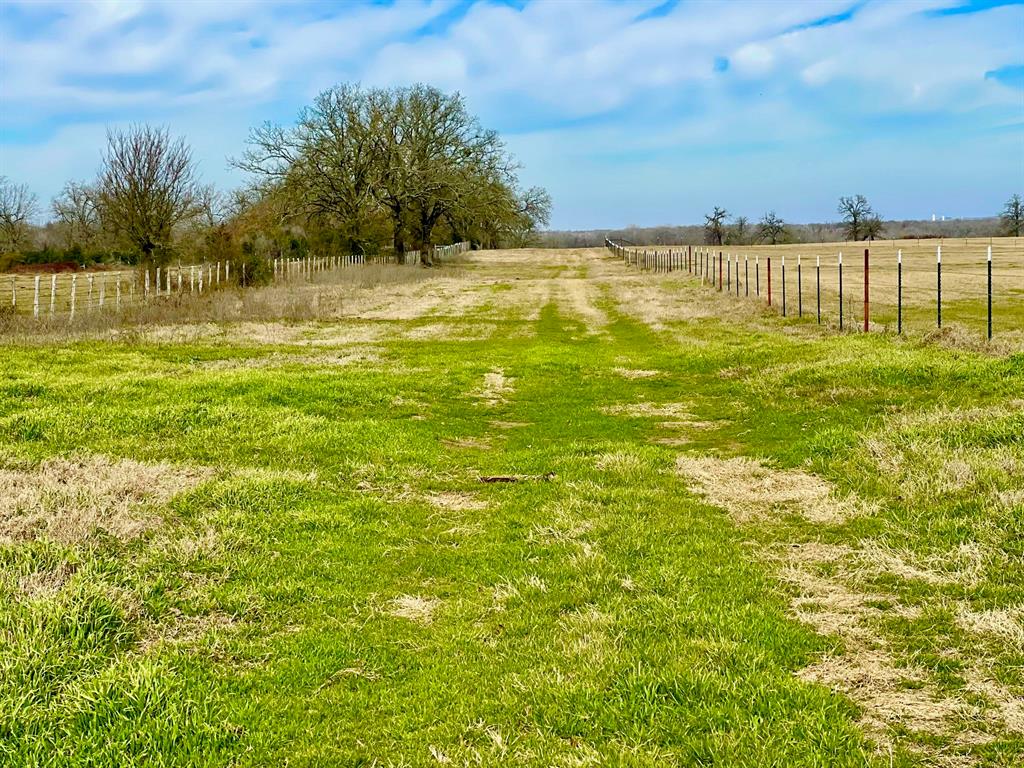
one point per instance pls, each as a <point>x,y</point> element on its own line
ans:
<point>628,112</point>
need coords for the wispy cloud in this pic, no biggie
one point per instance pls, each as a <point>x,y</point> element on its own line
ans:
<point>641,112</point>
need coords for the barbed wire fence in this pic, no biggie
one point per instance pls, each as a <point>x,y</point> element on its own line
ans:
<point>867,292</point>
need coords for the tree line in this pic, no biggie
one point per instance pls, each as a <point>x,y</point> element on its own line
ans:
<point>858,221</point>
<point>362,170</point>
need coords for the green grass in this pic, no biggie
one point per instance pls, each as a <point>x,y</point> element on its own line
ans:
<point>605,615</point>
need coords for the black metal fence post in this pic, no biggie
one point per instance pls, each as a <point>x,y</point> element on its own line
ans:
<point>899,291</point>
<point>840,290</point>
<point>990,293</point>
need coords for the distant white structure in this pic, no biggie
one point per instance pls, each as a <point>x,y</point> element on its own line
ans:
<point>933,217</point>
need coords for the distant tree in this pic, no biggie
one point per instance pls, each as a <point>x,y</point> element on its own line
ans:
<point>76,210</point>
<point>872,227</point>
<point>147,186</point>
<point>855,211</point>
<point>17,206</point>
<point>771,228</point>
<point>714,226</point>
<point>739,233</point>
<point>1012,217</point>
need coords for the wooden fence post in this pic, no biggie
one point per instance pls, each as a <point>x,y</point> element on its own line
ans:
<point>799,288</point>
<point>783,285</point>
<point>74,279</point>
<point>817,272</point>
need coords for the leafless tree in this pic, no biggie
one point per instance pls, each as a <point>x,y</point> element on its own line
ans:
<point>856,211</point>
<point>147,185</point>
<point>771,228</point>
<point>1012,217</point>
<point>76,209</point>
<point>714,226</point>
<point>17,206</point>
<point>739,232</point>
<point>872,227</point>
<point>323,168</point>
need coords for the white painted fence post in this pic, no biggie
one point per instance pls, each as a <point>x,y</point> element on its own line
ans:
<point>146,288</point>
<point>35,299</point>
<point>74,286</point>
<point>53,293</point>
<point>103,289</point>
<point>14,292</point>
<point>191,278</point>
<point>200,279</point>
<point>91,278</point>
<point>117,291</point>
<point>227,271</point>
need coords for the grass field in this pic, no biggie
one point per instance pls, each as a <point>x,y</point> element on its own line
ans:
<point>709,535</point>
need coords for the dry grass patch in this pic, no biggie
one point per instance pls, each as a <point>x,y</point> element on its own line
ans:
<point>750,490</point>
<point>473,443</point>
<point>67,500</point>
<point>632,373</point>
<point>1006,624</point>
<point>456,501</point>
<point>325,360</point>
<point>414,608</point>
<point>889,695</point>
<point>620,462</point>
<point>950,451</point>
<point>495,389</point>
<point>649,410</point>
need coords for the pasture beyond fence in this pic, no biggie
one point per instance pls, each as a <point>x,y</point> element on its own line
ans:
<point>71,292</point>
<point>873,287</point>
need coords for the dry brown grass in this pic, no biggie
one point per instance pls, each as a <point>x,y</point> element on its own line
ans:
<point>456,501</point>
<point>828,593</point>
<point>749,490</point>
<point>679,411</point>
<point>414,608</point>
<point>632,373</point>
<point>68,500</point>
<point>330,296</point>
